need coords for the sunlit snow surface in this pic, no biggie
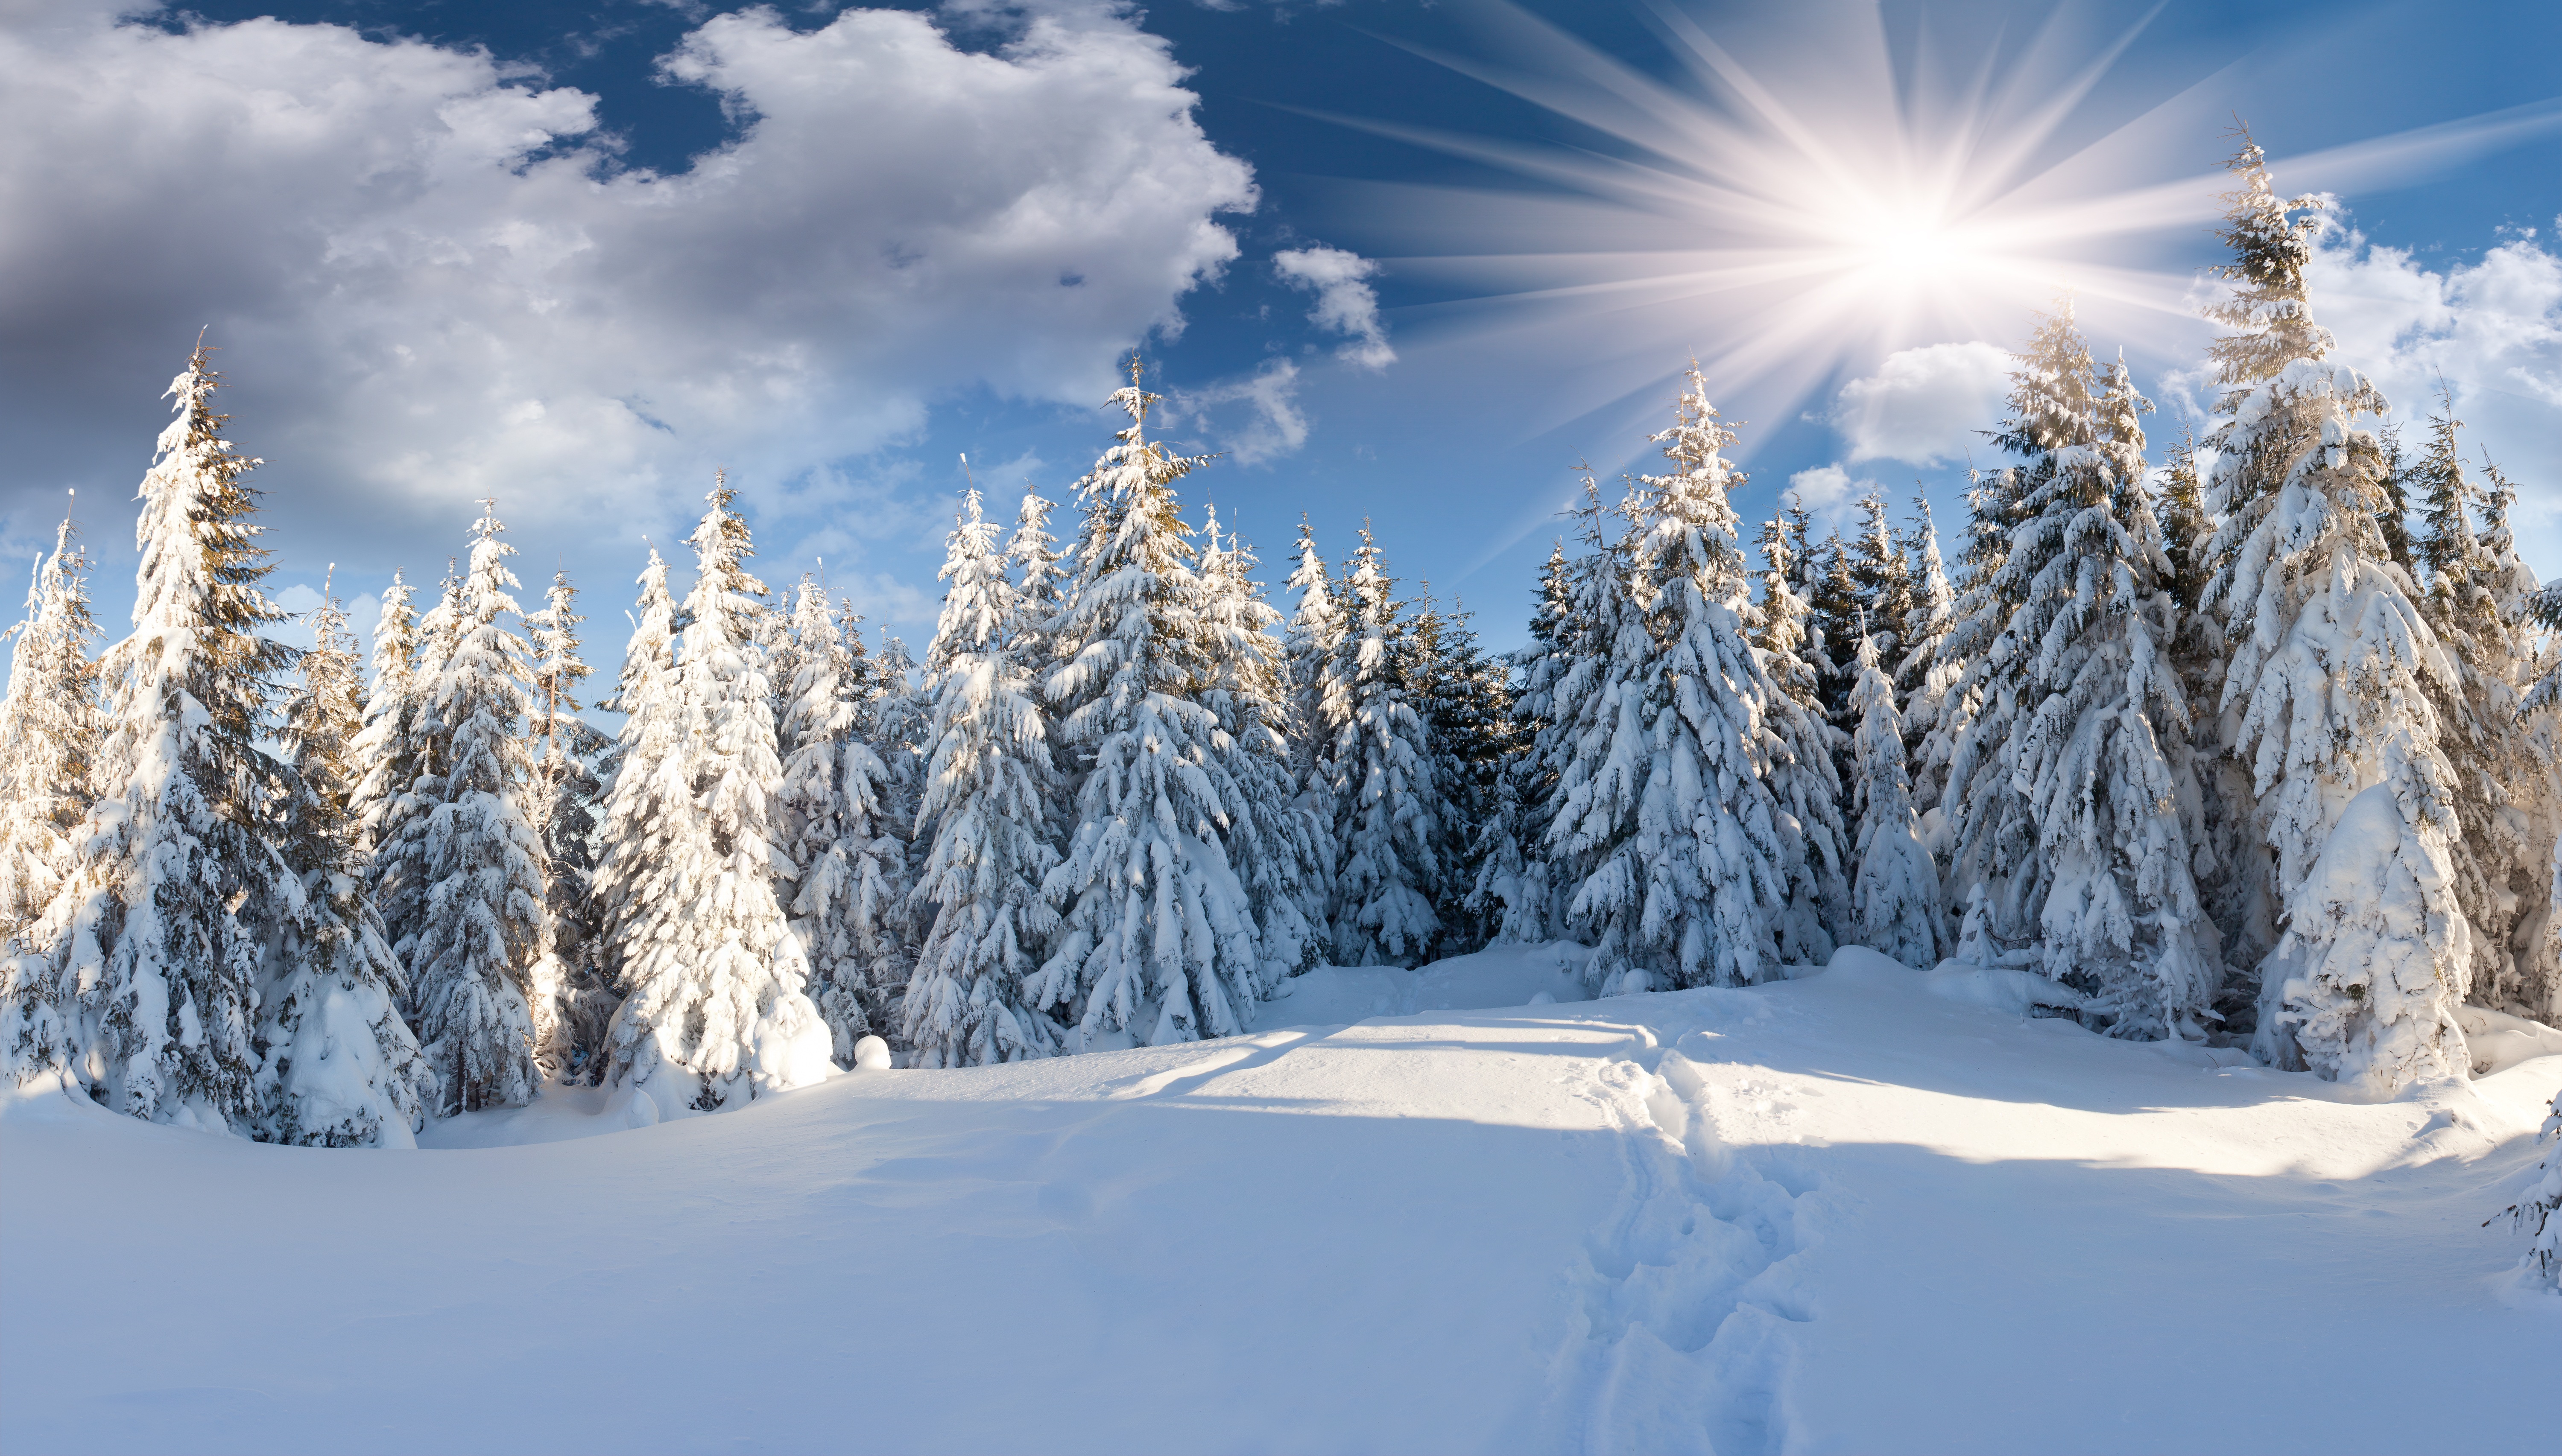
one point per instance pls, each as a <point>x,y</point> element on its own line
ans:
<point>1841,1214</point>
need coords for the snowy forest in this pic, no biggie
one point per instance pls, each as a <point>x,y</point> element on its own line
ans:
<point>2249,741</point>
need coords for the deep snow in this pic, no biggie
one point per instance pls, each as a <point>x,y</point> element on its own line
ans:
<point>1861,1211</point>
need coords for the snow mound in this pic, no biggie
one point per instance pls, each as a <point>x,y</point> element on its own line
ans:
<point>1505,976</point>
<point>2498,1040</point>
<point>2000,988</point>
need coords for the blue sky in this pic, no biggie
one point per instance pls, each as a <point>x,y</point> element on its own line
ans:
<point>579,253</point>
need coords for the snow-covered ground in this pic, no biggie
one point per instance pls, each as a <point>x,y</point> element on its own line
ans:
<point>1864,1212</point>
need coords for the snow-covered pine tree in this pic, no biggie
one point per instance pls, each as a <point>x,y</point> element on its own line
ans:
<point>2539,1212</point>
<point>144,990</point>
<point>1924,676</point>
<point>2097,754</point>
<point>1894,896</point>
<point>1833,594</point>
<point>2482,728</point>
<point>1690,852</point>
<point>1514,893</point>
<point>389,757</point>
<point>1804,780</point>
<point>1387,805</point>
<point>1033,558</point>
<point>1882,573</point>
<point>1311,651</point>
<point>339,1067</point>
<point>415,757</point>
<point>2535,989</point>
<point>644,800</point>
<point>573,1001</point>
<point>1993,829</point>
<point>715,1011</point>
<point>985,820</point>
<point>2355,798</point>
<point>1273,837</point>
<point>1465,700</point>
<point>1157,935</point>
<point>481,930</point>
<point>849,904</point>
<point>49,738</point>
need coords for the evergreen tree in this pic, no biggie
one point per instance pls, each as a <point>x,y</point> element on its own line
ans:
<point>1311,653</point>
<point>2354,795</point>
<point>48,737</point>
<point>572,1000</point>
<point>644,804</point>
<point>1802,778</point>
<point>1514,891</point>
<point>1273,837</point>
<point>841,902</point>
<point>2479,714</point>
<point>2534,986</point>
<point>1671,807</point>
<point>716,1012</point>
<point>1994,827</point>
<point>389,758</point>
<point>1882,578</point>
<point>151,956</point>
<point>2539,1212</point>
<point>1894,897</point>
<point>2097,759</point>
<point>1465,701</point>
<point>1156,934</point>
<point>1925,676</point>
<point>339,1067</point>
<point>984,819</point>
<point>1387,807</point>
<point>482,930</point>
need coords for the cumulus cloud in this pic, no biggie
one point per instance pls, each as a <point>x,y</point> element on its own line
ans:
<point>430,282</point>
<point>1923,406</point>
<point>1827,493</point>
<point>2491,330</point>
<point>1346,302</point>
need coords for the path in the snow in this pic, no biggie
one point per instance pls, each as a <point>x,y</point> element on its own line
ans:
<point>1836,1214</point>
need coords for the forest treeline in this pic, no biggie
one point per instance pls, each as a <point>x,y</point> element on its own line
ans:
<point>2251,742</point>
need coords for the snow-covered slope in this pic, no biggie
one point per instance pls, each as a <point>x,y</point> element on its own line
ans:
<point>1842,1214</point>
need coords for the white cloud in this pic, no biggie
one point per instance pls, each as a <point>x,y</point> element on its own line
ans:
<point>430,284</point>
<point>1346,302</point>
<point>1827,493</point>
<point>1251,419</point>
<point>1925,405</point>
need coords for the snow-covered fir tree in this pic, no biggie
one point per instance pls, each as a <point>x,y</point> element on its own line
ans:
<point>1312,655</point>
<point>2097,759</point>
<point>845,902</point>
<point>1882,574</point>
<point>2497,856</point>
<point>1273,837</point>
<point>1157,935</point>
<point>142,982</point>
<point>1894,895</point>
<point>715,1010</point>
<point>2534,986</point>
<point>573,1001</point>
<point>1925,677</point>
<point>2539,1212</point>
<point>985,820</point>
<point>1669,802</point>
<point>1514,893</point>
<point>1803,780</point>
<point>1465,700</point>
<point>2355,800</point>
<point>482,928</point>
<point>1388,807</point>
<point>48,737</point>
<point>1992,825</point>
<point>644,808</point>
<point>339,1067</point>
<point>390,754</point>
